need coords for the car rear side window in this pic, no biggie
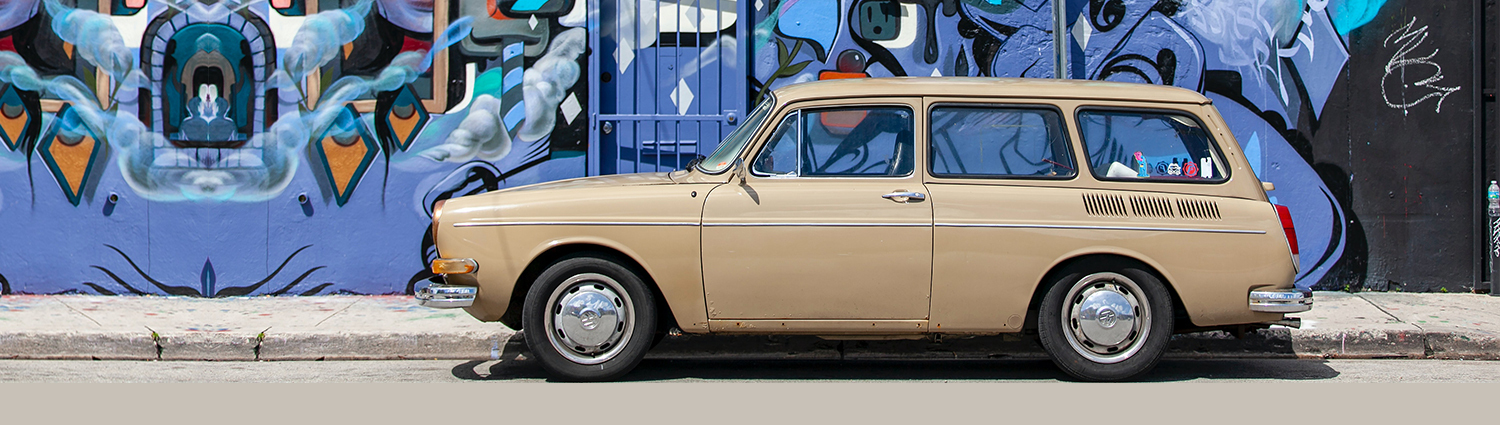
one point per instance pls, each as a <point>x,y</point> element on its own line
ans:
<point>1150,146</point>
<point>997,141</point>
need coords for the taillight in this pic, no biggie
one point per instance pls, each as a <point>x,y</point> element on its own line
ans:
<point>1287,227</point>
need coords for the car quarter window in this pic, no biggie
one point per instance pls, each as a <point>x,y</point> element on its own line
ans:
<point>1150,146</point>
<point>864,141</point>
<point>779,157</point>
<point>999,141</point>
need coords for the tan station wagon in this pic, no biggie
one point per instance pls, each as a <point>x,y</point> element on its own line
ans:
<point>1101,217</point>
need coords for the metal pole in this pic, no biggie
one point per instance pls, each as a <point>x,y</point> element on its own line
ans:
<point>1061,40</point>
<point>1476,41</point>
<point>595,88</point>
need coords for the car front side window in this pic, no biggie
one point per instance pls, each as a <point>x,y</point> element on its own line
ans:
<point>864,142</point>
<point>827,142</point>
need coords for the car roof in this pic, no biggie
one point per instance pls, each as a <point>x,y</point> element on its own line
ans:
<point>988,87</point>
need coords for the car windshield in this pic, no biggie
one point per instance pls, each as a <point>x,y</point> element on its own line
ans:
<point>731,146</point>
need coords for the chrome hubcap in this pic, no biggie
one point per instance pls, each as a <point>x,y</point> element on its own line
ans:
<point>589,318</point>
<point>1106,318</point>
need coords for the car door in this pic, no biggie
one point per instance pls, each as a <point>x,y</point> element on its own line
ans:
<point>1003,176</point>
<point>830,223</point>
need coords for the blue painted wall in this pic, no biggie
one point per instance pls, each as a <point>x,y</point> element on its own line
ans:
<point>298,145</point>
<point>282,147</point>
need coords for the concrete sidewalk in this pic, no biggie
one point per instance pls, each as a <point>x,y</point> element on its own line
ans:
<point>1341,325</point>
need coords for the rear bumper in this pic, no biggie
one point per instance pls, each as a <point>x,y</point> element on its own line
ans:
<point>1280,301</point>
<point>447,296</point>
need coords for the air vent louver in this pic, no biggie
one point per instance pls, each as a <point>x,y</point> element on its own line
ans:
<point>1198,209</point>
<point>1143,206</point>
<point>1109,205</point>
<point>1098,204</point>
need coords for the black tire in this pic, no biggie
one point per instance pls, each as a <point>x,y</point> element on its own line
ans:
<point>566,297</point>
<point>1088,343</point>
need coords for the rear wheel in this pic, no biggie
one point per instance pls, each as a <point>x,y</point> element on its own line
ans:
<point>588,319</point>
<point>1106,323</point>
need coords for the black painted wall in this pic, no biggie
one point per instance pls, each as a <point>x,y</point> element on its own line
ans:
<point>1411,171</point>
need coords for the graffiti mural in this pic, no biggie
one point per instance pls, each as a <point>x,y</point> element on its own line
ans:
<point>294,147</point>
<point>285,147</point>
<point>1265,63</point>
<point>799,41</point>
<point>1282,73</point>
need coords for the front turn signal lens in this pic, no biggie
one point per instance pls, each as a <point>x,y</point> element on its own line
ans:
<point>454,266</point>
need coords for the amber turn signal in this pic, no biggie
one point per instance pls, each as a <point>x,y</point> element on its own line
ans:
<point>454,265</point>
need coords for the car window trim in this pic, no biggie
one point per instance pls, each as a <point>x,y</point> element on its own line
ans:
<point>800,111</point>
<point>1214,145</point>
<point>1062,117</point>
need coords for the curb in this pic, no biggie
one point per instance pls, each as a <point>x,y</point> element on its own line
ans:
<point>78,346</point>
<point>1462,345</point>
<point>475,345</point>
<point>386,346</point>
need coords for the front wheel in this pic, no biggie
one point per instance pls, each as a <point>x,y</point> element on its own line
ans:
<point>1106,323</point>
<point>588,319</point>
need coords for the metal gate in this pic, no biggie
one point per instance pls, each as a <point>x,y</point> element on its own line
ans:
<point>669,81</point>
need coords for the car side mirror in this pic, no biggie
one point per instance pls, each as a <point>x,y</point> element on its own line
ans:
<point>694,162</point>
<point>739,170</point>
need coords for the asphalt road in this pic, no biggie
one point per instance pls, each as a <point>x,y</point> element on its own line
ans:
<point>659,370</point>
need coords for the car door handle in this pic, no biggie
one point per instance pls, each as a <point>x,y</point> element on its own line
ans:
<point>904,197</point>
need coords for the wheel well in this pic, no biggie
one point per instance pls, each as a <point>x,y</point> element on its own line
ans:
<point>1180,316</point>
<point>512,317</point>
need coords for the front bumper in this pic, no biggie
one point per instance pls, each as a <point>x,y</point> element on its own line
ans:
<point>1280,301</point>
<point>449,296</point>
<point>446,296</point>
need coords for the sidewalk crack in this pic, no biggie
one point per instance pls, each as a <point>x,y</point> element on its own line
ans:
<point>1427,350</point>
<point>80,313</point>
<point>325,319</point>
<point>1383,310</point>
